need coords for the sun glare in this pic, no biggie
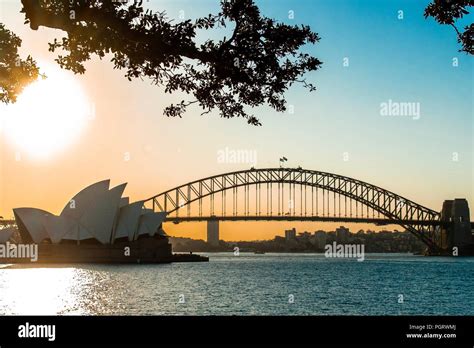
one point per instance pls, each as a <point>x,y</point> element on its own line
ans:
<point>48,115</point>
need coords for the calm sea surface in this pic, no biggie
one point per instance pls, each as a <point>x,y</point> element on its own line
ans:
<point>248,284</point>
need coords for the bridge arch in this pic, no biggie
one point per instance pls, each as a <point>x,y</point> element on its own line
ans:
<point>394,207</point>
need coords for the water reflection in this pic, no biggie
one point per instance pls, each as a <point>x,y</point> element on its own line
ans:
<point>60,290</point>
<point>38,291</point>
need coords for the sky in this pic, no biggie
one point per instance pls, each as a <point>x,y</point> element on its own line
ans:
<point>372,54</point>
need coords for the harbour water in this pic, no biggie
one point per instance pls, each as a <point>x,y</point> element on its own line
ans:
<point>248,284</point>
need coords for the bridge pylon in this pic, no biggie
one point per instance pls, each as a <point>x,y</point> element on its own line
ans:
<point>457,230</point>
<point>213,232</point>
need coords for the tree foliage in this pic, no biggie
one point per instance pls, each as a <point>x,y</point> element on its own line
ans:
<point>15,73</point>
<point>254,66</point>
<point>448,12</point>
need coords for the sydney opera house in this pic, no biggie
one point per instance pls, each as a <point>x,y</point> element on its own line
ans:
<point>96,225</point>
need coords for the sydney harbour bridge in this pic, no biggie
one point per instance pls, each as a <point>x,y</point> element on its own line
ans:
<point>297,194</point>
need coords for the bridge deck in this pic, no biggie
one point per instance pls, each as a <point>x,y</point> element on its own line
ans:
<point>377,221</point>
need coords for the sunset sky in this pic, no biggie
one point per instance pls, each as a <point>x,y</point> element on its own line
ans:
<point>113,128</point>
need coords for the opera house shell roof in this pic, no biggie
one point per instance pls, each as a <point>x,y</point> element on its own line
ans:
<point>97,213</point>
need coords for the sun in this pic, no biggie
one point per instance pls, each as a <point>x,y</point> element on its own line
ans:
<point>48,115</point>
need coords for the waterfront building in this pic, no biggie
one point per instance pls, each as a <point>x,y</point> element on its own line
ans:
<point>290,234</point>
<point>96,225</point>
<point>320,238</point>
<point>342,234</point>
<point>279,239</point>
<point>304,236</point>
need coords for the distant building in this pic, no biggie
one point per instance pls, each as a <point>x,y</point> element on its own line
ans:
<point>279,239</point>
<point>342,234</point>
<point>213,232</point>
<point>320,238</point>
<point>290,234</point>
<point>304,236</point>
